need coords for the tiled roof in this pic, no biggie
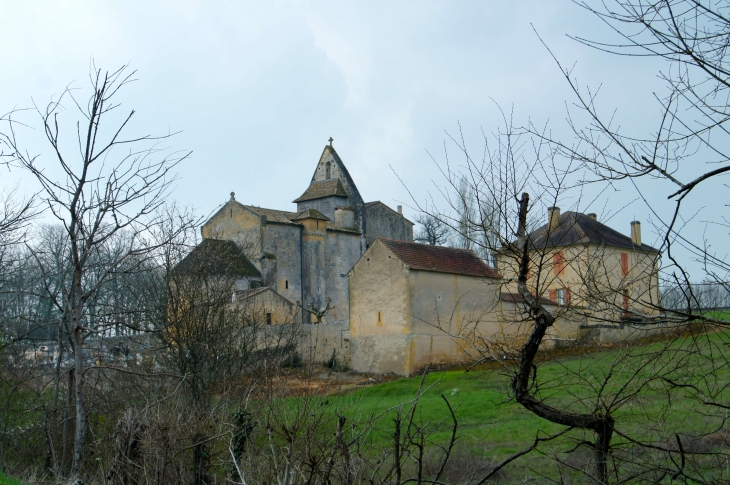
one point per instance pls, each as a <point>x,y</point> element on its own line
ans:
<point>216,257</point>
<point>323,188</point>
<point>516,297</point>
<point>578,228</point>
<point>440,259</point>
<point>272,214</point>
<point>310,214</point>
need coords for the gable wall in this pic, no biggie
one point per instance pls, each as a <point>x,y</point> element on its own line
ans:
<point>238,224</point>
<point>381,221</point>
<point>338,171</point>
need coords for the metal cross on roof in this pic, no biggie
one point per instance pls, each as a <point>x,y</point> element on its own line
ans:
<point>331,140</point>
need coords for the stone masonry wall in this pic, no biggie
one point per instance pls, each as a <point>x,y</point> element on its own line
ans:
<point>382,221</point>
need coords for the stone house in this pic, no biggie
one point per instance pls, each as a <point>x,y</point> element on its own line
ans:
<point>583,265</point>
<point>305,255</point>
<point>267,304</point>
<point>413,305</point>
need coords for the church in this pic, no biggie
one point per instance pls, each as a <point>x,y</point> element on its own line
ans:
<point>305,255</point>
<point>389,305</point>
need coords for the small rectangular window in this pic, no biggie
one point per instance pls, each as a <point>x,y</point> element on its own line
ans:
<point>562,296</point>
<point>268,319</point>
<point>286,284</point>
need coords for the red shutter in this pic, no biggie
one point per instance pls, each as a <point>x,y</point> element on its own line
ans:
<point>558,262</point>
<point>567,296</point>
<point>552,295</point>
<point>624,264</point>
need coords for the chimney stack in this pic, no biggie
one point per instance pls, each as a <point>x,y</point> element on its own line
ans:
<point>400,209</point>
<point>593,216</point>
<point>553,218</point>
<point>636,233</point>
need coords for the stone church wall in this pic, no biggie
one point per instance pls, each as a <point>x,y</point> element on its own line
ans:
<point>382,221</point>
<point>325,205</point>
<point>282,252</point>
<point>342,252</point>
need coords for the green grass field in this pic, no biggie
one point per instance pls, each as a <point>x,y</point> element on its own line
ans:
<point>490,423</point>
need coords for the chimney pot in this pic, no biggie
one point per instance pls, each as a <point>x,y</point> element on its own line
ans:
<point>593,216</point>
<point>553,217</point>
<point>400,209</point>
<point>636,233</point>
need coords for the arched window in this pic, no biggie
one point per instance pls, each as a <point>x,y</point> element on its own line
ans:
<point>328,171</point>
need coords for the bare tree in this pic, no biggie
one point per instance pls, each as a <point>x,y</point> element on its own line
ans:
<point>433,231</point>
<point>108,185</point>
<point>682,160</point>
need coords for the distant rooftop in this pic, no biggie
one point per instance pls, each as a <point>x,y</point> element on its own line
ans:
<point>578,228</point>
<point>439,259</point>
<point>217,257</point>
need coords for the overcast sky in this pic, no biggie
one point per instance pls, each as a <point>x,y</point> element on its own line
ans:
<point>257,88</point>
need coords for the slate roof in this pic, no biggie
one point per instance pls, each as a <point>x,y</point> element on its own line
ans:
<point>440,259</point>
<point>322,188</point>
<point>578,228</point>
<point>272,215</point>
<point>216,257</point>
<point>310,214</point>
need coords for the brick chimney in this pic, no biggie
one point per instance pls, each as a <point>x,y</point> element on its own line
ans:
<point>553,218</point>
<point>636,233</point>
<point>400,209</point>
<point>593,216</point>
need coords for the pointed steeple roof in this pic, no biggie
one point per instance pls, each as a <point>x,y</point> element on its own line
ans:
<point>331,177</point>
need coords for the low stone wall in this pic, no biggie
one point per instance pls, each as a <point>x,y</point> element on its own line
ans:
<point>320,343</point>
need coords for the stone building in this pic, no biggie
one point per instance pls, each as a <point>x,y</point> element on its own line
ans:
<point>608,278</point>
<point>413,305</point>
<point>305,255</point>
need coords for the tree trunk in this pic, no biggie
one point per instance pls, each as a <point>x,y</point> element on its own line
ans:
<point>64,438</point>
<point>601,425</point>
<point>77,338</point>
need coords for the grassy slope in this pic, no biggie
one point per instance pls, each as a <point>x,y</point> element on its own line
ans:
<point>488,420</point>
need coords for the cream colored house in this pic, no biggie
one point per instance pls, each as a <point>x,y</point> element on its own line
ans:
<point>413,305</point>
<point>590,269</point>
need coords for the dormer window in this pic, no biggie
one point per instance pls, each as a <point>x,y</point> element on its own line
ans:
<point>328,171</point>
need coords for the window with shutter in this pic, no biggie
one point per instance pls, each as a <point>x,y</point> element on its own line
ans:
<point>558,262</point>
<point>624,264</point>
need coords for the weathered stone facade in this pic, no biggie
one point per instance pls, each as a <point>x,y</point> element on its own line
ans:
<point>397,307</point>
<point>305,255</point>
<point>413,305</point>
